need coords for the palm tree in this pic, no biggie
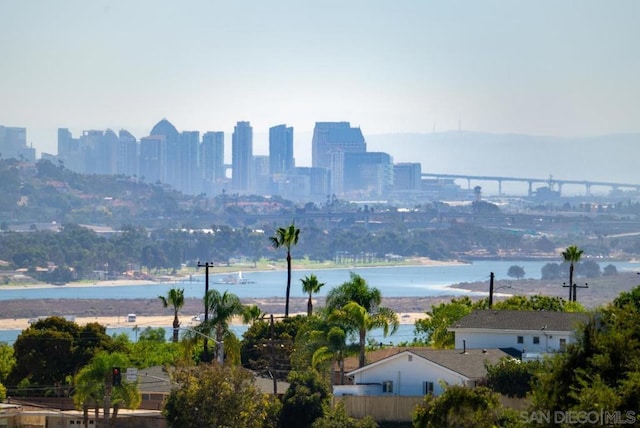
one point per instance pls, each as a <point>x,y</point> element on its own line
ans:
<point>286,238</point>
<point>334,350</point>
<point>311,285</point>
<point>356,290</point>
<point>222,307</point>
<point>175,299</point>
<point>251,314</point>
<point>358,318</point>
<point>93,382</point>
<point>572,255</point>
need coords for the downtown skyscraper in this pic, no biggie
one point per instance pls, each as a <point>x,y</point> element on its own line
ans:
<point>331,140</point>
<point>242,157</point>
<point>280,149</point>
<point>212,156</point>
<point>333,137</point>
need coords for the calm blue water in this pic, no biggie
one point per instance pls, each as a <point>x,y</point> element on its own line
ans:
<point>401,281</point>
<point>404,281</point>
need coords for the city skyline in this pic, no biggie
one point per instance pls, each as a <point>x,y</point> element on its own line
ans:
<point>546,68</point>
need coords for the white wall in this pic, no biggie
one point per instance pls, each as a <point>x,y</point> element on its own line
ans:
<point>408,372</point>
<point>549,341</point>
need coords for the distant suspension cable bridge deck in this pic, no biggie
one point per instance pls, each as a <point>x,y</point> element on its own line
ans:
<point>550,182</point>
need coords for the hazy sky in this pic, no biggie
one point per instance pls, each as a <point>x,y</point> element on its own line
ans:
<point>562,68</point>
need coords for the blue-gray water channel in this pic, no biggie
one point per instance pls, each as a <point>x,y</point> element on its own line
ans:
<point>399,281</point>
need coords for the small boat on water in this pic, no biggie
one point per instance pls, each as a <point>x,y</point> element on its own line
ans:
<point>235,279</point>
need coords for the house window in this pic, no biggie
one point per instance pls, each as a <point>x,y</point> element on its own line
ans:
<point>563,345</point>
<point>387,386</point>
<point>536,340</point>
<point>520,339</point>
<point>427,388</point>
<point>410,358</point>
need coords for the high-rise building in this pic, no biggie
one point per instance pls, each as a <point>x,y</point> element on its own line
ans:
<point>13,144</point>
<point>261,182</point>
<point>407,176</point>
<point>90,148</point>
<point>242,157</point>
<point>127,154</point>
<point>189,163</point>
<point>330,137</point>
<point>318,179</point>
<point>69,152</point>
<point>212,156</point>
<point>171,156</point>
<point>66,143</point>
<point>280,149</point>
<point>368,174</point>
<point>106,152</point>
<point>152,158</point>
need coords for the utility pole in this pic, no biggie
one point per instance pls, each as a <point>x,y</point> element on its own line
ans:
<point>491,277</point>
<point>206,266</point>
<point>573,288</point>
<point>564,285</point>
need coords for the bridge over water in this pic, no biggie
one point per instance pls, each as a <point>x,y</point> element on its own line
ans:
<point>551,182</point>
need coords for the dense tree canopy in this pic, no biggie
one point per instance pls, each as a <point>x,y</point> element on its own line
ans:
<point>511,377</point>
<point>267,350</point>
<point>433,330</point>
<point>538,303</point>
<point>305,399</point>
<point>601,371</point>
<point>215,395</point>
<point>516,272</point>
<point>52,349</point>
<point>460,406</point>
<point>94,386</point>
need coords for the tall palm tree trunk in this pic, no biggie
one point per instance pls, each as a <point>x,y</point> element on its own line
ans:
<point>286,307</point>
<point>572,286</point>
<point>176,328</point>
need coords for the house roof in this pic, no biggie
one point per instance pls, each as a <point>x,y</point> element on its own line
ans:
<point>520,320</point>
<point>157,380</point>
<point>469,364</point>
<point>351,363</point>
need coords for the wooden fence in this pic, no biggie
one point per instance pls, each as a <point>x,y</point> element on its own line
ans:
<point>395,408</point>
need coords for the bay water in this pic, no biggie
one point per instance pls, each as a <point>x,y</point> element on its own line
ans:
<point>396,281</point>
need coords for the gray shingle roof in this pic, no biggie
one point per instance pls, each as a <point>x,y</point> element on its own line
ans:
<point>469,364</point>
<point>521,320</point>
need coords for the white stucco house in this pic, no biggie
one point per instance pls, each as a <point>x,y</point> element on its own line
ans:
<point>420,371</point>
<point>534,333</point>
<point>480,337</point>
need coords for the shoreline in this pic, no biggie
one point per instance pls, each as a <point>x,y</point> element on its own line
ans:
<point>177,279</point>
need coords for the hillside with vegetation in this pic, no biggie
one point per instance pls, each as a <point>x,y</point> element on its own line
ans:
<point>57,226</point>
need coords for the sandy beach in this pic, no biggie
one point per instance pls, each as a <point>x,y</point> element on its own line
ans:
<point>143,322</point>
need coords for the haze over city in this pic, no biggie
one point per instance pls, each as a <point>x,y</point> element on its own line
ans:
<point>562,69</point>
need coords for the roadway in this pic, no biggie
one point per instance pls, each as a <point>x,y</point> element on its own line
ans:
<point>551,182</point>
